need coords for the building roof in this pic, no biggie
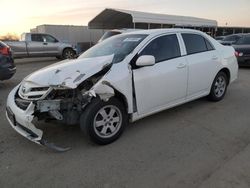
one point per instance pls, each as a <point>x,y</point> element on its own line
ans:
<point>118,18</point>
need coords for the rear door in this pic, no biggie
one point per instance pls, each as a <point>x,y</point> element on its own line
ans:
<point>164,83</point>
<point>35,45</point>
<point>203,64</point>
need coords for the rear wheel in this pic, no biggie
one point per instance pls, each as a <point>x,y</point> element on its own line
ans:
<point>219,87</point>
<point>104,122</point>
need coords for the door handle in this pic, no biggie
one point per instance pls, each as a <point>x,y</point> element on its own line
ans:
<point>45,43</point>
<point>181,65</point>
<point>214,58</point>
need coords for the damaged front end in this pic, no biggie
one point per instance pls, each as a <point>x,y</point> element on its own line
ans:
<point>29,101</point>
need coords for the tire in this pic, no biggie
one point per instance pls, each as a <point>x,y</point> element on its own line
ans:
<point>68,53</point>
<point>219,87</point>
<point>104,122</point>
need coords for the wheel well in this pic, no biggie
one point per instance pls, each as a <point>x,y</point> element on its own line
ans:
<point>122,98</point>
<point>227,72</point>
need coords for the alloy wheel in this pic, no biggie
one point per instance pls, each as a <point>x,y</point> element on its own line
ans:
<point>107,121</point>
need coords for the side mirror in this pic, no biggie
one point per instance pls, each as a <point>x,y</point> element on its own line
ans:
<point>145,60</point>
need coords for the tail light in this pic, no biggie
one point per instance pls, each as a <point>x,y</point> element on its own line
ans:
<point>5,50</point>
<point>238,54</point>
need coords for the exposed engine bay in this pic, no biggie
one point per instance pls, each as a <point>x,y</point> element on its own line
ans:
<point>64,105</point>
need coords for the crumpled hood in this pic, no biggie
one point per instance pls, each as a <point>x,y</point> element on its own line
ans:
<point>69,73</point>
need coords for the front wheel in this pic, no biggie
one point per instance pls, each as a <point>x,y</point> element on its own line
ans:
<point>68,53</point>
<point>104,122</point>
<point>219,87</point>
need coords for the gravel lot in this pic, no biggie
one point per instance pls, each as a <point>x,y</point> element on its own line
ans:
<point>199,144</point>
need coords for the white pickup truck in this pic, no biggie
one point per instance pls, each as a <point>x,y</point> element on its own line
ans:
<point>41,45</point>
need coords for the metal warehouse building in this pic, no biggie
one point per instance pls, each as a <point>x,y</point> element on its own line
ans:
<point>85,36</point>
<point>117,18</point>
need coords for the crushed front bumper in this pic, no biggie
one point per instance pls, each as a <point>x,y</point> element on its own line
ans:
<point>21,121</point>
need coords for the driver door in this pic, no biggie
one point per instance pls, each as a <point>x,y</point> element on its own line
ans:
<point>51,45</point>
<point>165,83</point>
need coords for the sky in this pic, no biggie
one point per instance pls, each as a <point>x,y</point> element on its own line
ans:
<point>18,16</point>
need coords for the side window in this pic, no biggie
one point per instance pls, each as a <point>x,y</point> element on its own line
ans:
<point>49,38</point>
<point>36,38</point>
<point>163,48</point>
<point>209,45</point>
<point>195,43</point>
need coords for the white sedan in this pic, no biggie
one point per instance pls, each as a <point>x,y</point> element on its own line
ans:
<point>122,79</point>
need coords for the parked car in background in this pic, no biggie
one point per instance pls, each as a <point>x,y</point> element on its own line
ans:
<point>7,66</point>
<point>114,32</point>
<point>231,39</point>
<point>124,78</point>
<point>242,50</point>
<point>219,38</point>
<point>41,45</point>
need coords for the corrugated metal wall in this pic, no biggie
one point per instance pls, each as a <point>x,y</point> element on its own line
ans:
<point>71,34</point>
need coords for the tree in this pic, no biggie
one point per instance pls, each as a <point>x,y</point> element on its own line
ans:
<point>9,37</point>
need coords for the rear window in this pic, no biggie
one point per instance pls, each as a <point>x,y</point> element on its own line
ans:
<point>244,40</point>
<point>232,38</point>
<point>209,45</point>
<point>196,43</point>
<point>36,38</point>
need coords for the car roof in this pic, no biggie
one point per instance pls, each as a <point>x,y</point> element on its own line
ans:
<point>246,35</point>
<point>124,30</point>
<point>236,34</point>
<point>159,31</point>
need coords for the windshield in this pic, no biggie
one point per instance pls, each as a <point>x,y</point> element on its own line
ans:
<point>109,34</point>
<point>120,46</point>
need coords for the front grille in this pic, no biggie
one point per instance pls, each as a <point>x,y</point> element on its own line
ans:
<point>35,96</point>
<point>33,93</point>
<point>39,89</point>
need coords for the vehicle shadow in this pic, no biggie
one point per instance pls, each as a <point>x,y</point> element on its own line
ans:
<point>72,136</point>
<point>244,67</point>
<point>175,114</point>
